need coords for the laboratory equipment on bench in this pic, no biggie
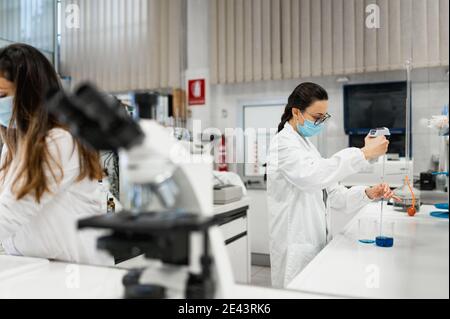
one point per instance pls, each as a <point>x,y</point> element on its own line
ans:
<point>427,181</point>
<point>386,238</point>
<point>370,175</point>
<point>367,230</point>
<point>167,216</point>
<point>383,240</point>
<point>410,198</point>
<point>444,212</point>
<point>111,206</point>
<point>441,125</point>
<point>409,195</point>
<point>228,188</point>
<point>225,194</point>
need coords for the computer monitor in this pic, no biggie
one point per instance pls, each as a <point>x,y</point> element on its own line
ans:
<point>368,106</point>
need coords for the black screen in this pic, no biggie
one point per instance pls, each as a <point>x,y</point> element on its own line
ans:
<point>368,106</point>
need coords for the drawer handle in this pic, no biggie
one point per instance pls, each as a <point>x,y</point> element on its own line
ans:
<point>235,238</point>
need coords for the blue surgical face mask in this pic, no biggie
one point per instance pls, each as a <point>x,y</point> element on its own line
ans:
<point>309,129</point>
<point>6,109</point>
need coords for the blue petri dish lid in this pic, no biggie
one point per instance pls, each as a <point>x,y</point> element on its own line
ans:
<point>442,215</point>
<point>367,241</point>
<point>442,206</point>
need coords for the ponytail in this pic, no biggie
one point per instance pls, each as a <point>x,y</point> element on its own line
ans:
<point>287,115</point>
<point>303,97</point>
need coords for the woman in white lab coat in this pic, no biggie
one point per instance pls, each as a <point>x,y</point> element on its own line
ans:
<point>48,179</point>
<point>302,185</point>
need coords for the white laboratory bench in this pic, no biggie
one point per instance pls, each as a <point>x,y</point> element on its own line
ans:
<point>416,267</point>
<point>53,280</point>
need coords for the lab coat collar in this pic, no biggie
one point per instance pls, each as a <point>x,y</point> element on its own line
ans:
<point>292,131</point>
<point>300,137</point>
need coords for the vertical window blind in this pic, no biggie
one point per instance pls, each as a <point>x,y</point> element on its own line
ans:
<point>124,45</point>
<point>252,40</point>
<point>28,21</point>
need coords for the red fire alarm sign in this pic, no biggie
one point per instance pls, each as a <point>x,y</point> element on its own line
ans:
<point>197,92</point>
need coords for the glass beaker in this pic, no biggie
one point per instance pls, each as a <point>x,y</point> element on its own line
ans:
<point>367,230</point>
<point>387,234</point>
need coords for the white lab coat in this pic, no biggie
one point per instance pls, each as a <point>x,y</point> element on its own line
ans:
<point>49,229</point>
<point>299,222</point>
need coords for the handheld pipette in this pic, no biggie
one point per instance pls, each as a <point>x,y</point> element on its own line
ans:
<point>381,240</point>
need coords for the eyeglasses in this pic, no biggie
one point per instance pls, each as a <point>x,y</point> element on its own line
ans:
<point>322,120</point>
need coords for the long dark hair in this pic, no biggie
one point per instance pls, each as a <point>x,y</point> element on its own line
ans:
<point>25,138</point>
<point>303,96</point>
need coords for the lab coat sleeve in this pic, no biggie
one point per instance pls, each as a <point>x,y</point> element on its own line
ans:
<point>16,213</point>
<point>348,200</point>
<point>309,172</point>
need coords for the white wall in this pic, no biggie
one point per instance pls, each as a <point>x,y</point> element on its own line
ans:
<point>198,54</point>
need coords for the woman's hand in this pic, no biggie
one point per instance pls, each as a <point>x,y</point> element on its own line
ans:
<point>375,147</point>
<point>381,191</point>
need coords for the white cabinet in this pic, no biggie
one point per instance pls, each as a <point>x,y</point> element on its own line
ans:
<point>234,228</point>
<point>258,222</point>
<point>233,223</point>
<point>239,257</point>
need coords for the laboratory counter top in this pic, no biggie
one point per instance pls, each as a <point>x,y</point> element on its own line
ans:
<point>41,279</point>
<point>416,267</point>
<point>242,203</point>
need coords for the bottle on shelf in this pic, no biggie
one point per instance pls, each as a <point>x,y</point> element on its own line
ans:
<point>111,206</point>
